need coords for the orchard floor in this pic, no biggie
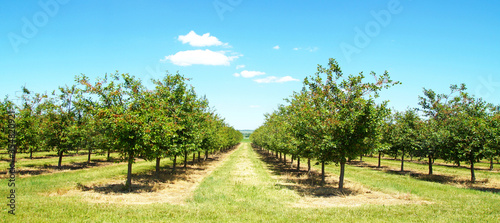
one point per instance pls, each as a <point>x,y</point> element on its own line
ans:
<point>244,185</point>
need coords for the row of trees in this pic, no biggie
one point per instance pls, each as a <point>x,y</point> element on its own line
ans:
<point>118,113</point>
<point>456,127</point>
<point>335,119</point>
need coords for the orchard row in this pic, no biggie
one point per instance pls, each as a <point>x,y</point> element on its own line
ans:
<point>335,118</point>
<point>117,113</point>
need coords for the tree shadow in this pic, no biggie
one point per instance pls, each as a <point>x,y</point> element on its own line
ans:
<point>300,181</point>
<point>152,181</point>
<point>435,178</point>
<point>47,168</point>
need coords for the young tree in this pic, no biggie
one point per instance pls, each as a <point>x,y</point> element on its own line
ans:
<point>123,114</point>
<point>346,115</point>
<point>405,133</point>
<point>465,119</point>
<point>28,122</point>
<point>58,117</point>
<point>5,107</point>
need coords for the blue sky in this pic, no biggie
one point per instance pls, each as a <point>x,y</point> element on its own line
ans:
<point>246,56</point>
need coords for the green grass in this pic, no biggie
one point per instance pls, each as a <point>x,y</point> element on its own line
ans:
<point>463,171</point>
<point>246,140</point>
<point>52,160</point>
<point>242,190</point>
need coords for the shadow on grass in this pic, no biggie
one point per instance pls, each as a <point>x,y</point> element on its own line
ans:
<point>304,183</point>
<point>480,185</point>
<point>47,168</point>
<point>423,162</point>
<point>152,181</point>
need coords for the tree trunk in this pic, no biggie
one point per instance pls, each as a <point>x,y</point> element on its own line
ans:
<point>322,172</point>
<point>298,163</point>
<point>90,153</point>
<point>472,175</point>
<point>199,156</point>
<point>158,159</point>
<point>308,166</point>
<point>174,164</point>
<point>379,158</point>
<point>206,154</point>
<point>276,155</point>
<point>291,162</point>
<point>109,151</point>
<point>128,184</point>
<point>430,164</point>
<point>491,163</point>
<point>280,156</point>
<point>185,159</point>
<point>60,159</point>
<point>31,153</point>
<point>342,170</point>
<point>402,160</point>
<point>194,158</point>
<point>284,159</point>
<point>361,157</point>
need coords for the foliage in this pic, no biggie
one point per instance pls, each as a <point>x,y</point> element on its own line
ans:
<point>339,116</point>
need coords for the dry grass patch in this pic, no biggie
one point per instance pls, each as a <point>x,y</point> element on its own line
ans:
<point>244,172</point>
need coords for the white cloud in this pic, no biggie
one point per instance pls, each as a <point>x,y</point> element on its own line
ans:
<point>196,40</point>
<point>273,79</point>
<point>277,47</point>
<point>201,57</point>
<point>312,49</point>
<point>249,74</point>
<point>239,66</point>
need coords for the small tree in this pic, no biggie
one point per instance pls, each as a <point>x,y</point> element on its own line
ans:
<point>405,133</point>
<point>346,116</point>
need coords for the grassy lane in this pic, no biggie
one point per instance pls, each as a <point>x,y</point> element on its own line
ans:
<point>242,190</point>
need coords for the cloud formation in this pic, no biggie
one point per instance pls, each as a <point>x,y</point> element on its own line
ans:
<point>277,47</point>
<point>200,41</point>
<point>273,79</point>
<point>248,74</point>
<point>240,66</point>
<point>200,57</point>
